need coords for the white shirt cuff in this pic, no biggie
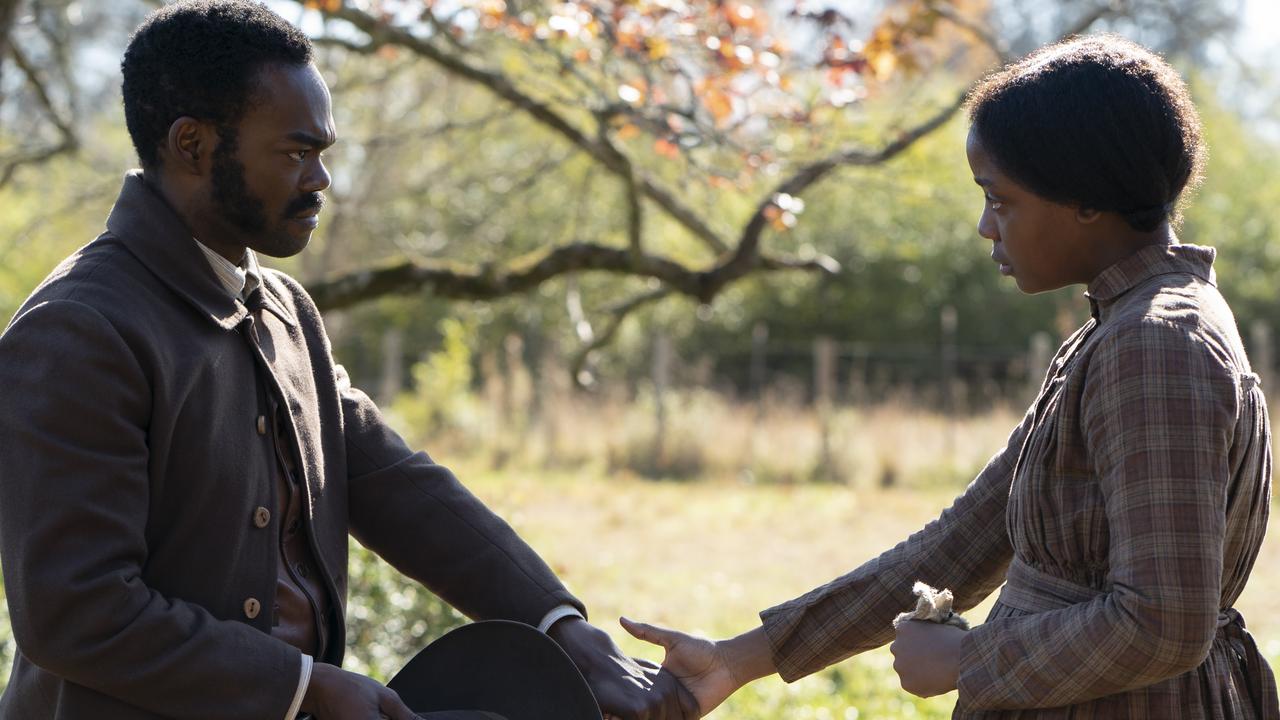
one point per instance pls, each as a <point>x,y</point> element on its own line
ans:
<point>558,613</point>
<point>304,679</point>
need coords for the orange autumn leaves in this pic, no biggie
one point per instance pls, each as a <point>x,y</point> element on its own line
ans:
<point>324,5</point>
<point>718,61</point>
<point>745,86</point>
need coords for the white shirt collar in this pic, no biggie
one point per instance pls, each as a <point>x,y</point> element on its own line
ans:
<point>239,280</point>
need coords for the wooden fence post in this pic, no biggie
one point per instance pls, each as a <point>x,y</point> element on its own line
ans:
<point>856,393</point>
<point>1261,353</point>
<point>661,382</point>
<point>392,365</point>
<point>824,392</point>
<point>516,387</point>
<point>948,321</point>
<point>759,343</point>
<point>1038,361</point>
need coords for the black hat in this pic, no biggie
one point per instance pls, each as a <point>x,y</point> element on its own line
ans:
<point>504,668</point>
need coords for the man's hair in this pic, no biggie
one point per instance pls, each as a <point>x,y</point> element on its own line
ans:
<point>1099,122</point>
<point>201,58</point>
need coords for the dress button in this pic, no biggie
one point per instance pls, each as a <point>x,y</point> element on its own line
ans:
<point>252,607</point>
<point>262,424</point>
<point>261,517</point>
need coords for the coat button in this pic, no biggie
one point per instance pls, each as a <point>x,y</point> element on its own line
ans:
<point>252,607</point>
<point>262,424</point>
<point>261,517</point>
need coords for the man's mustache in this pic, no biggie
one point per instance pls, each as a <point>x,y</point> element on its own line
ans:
<point>303,203</point>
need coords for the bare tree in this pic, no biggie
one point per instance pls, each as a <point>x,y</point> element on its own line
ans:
<point>582,109</point>
<point>664,105</point>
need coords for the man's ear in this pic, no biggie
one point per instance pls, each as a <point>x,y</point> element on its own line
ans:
<point>1085,215</point>
<point>189,145</point>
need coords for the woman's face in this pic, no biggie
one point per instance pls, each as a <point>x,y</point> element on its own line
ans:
<point>1039,243</point>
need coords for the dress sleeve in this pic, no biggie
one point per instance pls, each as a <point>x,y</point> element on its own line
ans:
<point>1158,413</point>
<point>417,516</point>
<point>966,549</point>
<point>74,501</point>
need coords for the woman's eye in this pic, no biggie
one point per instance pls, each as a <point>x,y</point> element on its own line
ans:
<point>994,203</point>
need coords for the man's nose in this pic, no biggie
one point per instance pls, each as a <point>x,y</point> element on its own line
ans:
<point>317,177</point>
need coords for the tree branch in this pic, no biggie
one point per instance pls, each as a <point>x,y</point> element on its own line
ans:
<point>983,34</point>
<point>444,128</point>
<point>442,29</point>
<point>500,85</point>
<point>37,84</point>
<point>368,48</point>
<point>1086,21</point>
<point>635,208</point>
<point>490,281</point>
<point>749,243</point>
<point>635,217</point>
<point>8,14</point>
<point>618,313</point>
<point>68,141</point>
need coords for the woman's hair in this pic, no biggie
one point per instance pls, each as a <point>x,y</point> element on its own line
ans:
<point>1099,122</point>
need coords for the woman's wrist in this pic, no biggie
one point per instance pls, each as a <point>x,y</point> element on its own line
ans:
<point>748,657</point>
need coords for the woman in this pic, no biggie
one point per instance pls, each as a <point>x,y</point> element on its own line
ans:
<point>1127,510</point>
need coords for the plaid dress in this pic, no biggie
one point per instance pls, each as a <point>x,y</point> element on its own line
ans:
<point>1123,519</point>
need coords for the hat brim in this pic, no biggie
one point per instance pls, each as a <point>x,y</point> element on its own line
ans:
<point>498,666</point>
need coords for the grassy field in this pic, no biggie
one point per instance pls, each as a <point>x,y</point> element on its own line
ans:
<point>706,557</point>
<point>744,528</point>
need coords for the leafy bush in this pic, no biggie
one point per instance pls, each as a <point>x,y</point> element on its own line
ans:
<point>389,617</point>
<point>441,401</point>
<point>7,645</point>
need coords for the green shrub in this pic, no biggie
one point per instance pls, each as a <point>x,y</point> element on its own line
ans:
<point>389,617</point>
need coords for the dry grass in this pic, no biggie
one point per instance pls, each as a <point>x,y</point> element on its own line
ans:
<point>707,556</point>
<point>708,438</point>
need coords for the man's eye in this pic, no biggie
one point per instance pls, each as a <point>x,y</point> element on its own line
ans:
<point>299,155</point>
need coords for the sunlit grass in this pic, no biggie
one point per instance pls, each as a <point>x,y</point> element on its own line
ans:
<point>707,553</point>
<point>707,557</point>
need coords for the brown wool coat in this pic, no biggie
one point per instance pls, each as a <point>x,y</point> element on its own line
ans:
<point>132,466</point>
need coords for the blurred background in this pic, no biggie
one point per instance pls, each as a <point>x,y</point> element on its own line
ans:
<point>689,290</point>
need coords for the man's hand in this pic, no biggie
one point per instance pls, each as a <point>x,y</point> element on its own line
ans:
<point>624,688</point>
<point>703,666</point>
<point>335,694</point>
<point>926,656</point>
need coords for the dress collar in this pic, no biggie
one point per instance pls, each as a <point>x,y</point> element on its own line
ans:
<point>1149,262</point>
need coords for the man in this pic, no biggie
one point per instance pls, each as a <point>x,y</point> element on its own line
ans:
<point>181,460</point>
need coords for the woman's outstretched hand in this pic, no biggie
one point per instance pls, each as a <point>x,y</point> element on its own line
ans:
<point>711,670</point>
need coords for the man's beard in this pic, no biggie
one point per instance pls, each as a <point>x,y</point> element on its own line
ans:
<point>245,211</point>
<point>231,196</point>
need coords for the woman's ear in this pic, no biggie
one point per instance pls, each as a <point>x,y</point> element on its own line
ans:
<point>1085,215</point>
<point>190,142</point>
